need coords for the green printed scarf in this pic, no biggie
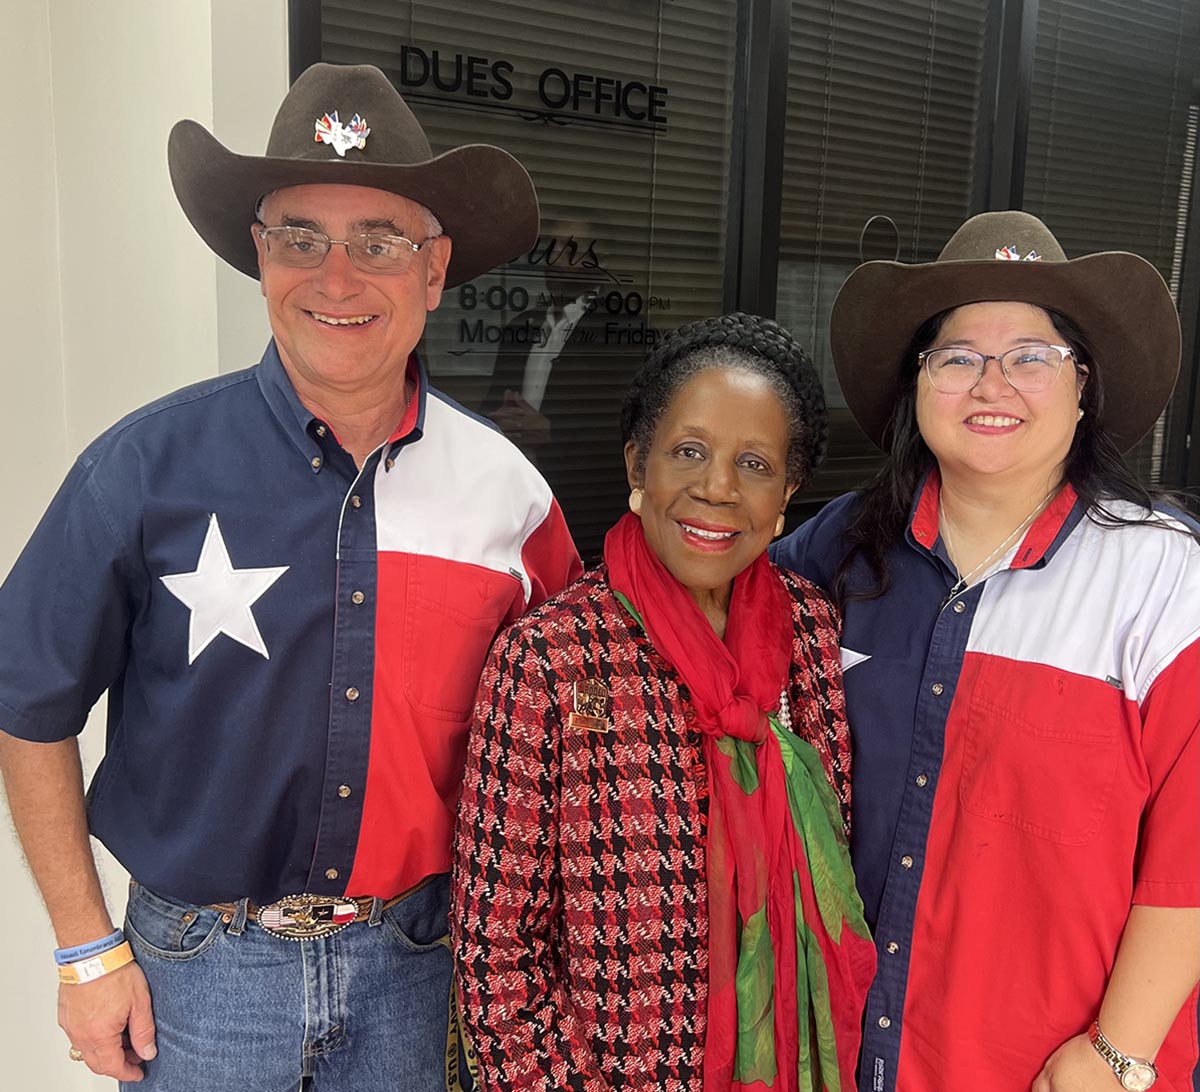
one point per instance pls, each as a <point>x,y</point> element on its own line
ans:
<point>790,957</point>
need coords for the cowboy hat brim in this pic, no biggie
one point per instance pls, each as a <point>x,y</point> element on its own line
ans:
<point>483,197</point>
<point>1117,299</point>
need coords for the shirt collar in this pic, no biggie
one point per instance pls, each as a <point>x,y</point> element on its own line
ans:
<point>297,421</point>
<point>1041,542</point>
<point>412,424</point>
<point>300,423</point>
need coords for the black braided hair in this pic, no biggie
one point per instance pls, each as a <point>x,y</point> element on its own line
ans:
<point>745,342</point>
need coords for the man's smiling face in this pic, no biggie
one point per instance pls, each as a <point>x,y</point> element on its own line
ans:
<point>336,326</point>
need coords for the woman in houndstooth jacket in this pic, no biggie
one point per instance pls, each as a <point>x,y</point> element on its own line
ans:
<point>652,888</point>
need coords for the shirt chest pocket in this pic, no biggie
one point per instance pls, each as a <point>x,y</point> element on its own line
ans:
<point>452,613</point>
<point>1040,749</point>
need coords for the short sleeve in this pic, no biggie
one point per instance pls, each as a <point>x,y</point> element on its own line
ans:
<point>65,611</point>
<point>1168,872</point>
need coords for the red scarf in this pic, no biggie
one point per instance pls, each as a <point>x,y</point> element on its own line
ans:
<point>761,1020</point>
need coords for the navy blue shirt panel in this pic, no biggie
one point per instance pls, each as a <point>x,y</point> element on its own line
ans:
<point>212,766</point>
<point>879,647</point>
<point>901,668</point>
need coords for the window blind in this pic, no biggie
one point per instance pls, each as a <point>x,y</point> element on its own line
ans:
<point>1111,141</point>
<point>634,201</point>
<point>882,117</point>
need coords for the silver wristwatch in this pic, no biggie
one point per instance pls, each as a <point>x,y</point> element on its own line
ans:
<point>1135,1074</point>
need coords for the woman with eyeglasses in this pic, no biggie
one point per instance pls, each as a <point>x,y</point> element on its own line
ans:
<point>1021,648</point>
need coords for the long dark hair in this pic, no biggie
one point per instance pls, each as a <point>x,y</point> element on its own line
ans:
<point>1094,468</point>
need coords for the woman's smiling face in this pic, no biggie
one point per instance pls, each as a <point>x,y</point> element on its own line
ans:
<point>994,430</point>
<point>715,478</point>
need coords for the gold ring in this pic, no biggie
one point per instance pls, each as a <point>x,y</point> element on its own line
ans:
<point>75,1054</point>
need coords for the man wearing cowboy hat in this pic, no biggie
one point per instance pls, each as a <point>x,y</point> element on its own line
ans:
<point>286,579</point>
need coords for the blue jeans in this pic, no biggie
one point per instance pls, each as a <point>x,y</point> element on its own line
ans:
<point>364,1010</point>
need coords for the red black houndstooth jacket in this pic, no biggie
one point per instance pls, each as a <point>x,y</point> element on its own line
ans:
<point>581,909</point>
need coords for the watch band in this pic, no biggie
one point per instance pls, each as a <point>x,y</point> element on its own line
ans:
<point>1135,1074</point>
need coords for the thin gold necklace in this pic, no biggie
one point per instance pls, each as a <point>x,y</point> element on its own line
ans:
<point>947,530</point>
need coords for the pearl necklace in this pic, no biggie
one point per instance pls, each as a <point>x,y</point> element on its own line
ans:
<point>964,582</point>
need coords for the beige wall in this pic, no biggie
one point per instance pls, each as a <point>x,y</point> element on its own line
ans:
<point>107,300</point>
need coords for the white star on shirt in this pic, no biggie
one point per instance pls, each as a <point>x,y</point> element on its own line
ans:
<point>220,596</point>
<point>850,658</point>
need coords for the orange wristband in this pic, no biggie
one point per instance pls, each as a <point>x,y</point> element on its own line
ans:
<point>87,970</point>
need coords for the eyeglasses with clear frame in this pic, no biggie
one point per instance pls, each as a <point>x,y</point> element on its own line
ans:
<point>1027,368</point>
<point>303,248</point>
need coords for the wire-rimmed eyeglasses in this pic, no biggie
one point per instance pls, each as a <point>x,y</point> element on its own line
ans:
<point>1027,367</point>
<point>372,252</point>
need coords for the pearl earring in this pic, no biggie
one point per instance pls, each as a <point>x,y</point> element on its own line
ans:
<point>635,501</point>
<point>779,525</point>
<point>1080,417</point>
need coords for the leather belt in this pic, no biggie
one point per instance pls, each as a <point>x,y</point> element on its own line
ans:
<point>308,917</point>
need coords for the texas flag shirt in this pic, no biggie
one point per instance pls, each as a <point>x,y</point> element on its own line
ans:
<point>291,645</point>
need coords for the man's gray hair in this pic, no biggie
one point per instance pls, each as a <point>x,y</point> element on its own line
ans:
<point>433,226</point>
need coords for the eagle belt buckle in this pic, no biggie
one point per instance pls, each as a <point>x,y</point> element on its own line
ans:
<point>307,917</point>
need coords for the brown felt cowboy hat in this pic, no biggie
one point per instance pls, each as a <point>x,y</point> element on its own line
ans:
<point>347,124</point>
<point>1118,300</point>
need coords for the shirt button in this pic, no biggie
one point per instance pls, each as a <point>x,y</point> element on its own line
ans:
<point>352,693</point>
<point>906,861</point>
<point>937,688</point>
<point>356,501</point>
<point>390,463</point>
<point>331,873</point>
<point>344,791</point>
<point>893,947</point>
<point>316,462</point>
<point>959,606</point>
<point>922,781</point>
<point>357,598</point>
<point>884,1022</point>
<point>321,430</point>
